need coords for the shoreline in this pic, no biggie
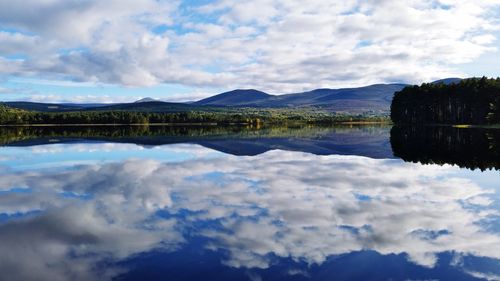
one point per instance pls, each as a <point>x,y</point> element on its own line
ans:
<point>117,124</point>
<point>457,126</point>
<point>192,124</point>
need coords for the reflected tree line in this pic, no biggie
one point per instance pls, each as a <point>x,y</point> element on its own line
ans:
<point>158,134</point>
<point>12,135</point>
<point>471,101</point>
<point>472,148</point>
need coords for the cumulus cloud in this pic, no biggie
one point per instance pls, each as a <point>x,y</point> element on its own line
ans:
<point>273,45</point>
<point>53,98</point>
<point>310,212</point>
<point>4,90</point>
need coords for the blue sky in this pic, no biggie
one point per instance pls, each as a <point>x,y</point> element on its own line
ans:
<point>123,50</point>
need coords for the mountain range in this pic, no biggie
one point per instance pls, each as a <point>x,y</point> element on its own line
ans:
<point>370,98</point>
<point>374,98</point>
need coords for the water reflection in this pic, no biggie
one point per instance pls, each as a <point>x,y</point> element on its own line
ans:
<point>371,141</point>
<point>473,148</point>
<point>275,215</point>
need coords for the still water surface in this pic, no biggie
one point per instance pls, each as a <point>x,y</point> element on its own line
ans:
<point>270,204</point>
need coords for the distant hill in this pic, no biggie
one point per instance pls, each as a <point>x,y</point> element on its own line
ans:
<point>150,106</point>
<point>235,98</point>
<point>87,105</point>
<point>371,98</point>
<point>145,100</point>
<point>46,107</point>
<point>147,106</point>
<point>447,81</point>
<point>374,98</point>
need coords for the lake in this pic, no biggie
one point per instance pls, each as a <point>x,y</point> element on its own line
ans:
<point>280,203</point>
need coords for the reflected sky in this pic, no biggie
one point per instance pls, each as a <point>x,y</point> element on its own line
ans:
<point>100,211</point>
<point>64,155</point>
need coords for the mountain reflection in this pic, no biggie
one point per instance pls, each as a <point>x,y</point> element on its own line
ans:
<point>80,222</point>
<point>370,140</point>
<point>473,148</point>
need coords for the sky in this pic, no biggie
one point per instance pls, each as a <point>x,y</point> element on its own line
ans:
<point>121,50</point>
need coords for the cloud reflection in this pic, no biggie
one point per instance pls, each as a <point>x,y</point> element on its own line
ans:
<point>284,204</point>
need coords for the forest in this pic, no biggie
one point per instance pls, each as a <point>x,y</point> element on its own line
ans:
<point>244,116</point>
<point>472,101</point>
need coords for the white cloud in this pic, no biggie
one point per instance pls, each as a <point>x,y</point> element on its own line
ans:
<point>4,90</point>
<point>52,98</point>
<point>107,98</point>
<point>16,43</point>
<point>275,45</point>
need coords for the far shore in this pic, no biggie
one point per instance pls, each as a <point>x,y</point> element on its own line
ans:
<point>362,122</point>
<point>459,126</point>
<point>194,124</point>
<point>118,124</point>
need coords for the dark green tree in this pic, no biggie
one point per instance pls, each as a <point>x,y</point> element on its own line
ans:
<point>471,101</point>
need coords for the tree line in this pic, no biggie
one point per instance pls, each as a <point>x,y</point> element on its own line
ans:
<point>247,116</point>
<point>471,101</point>
<point>11,116</point>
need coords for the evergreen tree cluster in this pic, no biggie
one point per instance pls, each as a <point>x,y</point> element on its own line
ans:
<point>471,101</point>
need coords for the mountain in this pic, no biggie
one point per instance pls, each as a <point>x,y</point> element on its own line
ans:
<point>148,99</point>
<point>370,98</point>
<point>45,107</point>
<point>377,96</point>
<point>447,81</point>
<point>148,106</point>
<point>87,105</point>
<point>374,98</point>
<point>235,98</point>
